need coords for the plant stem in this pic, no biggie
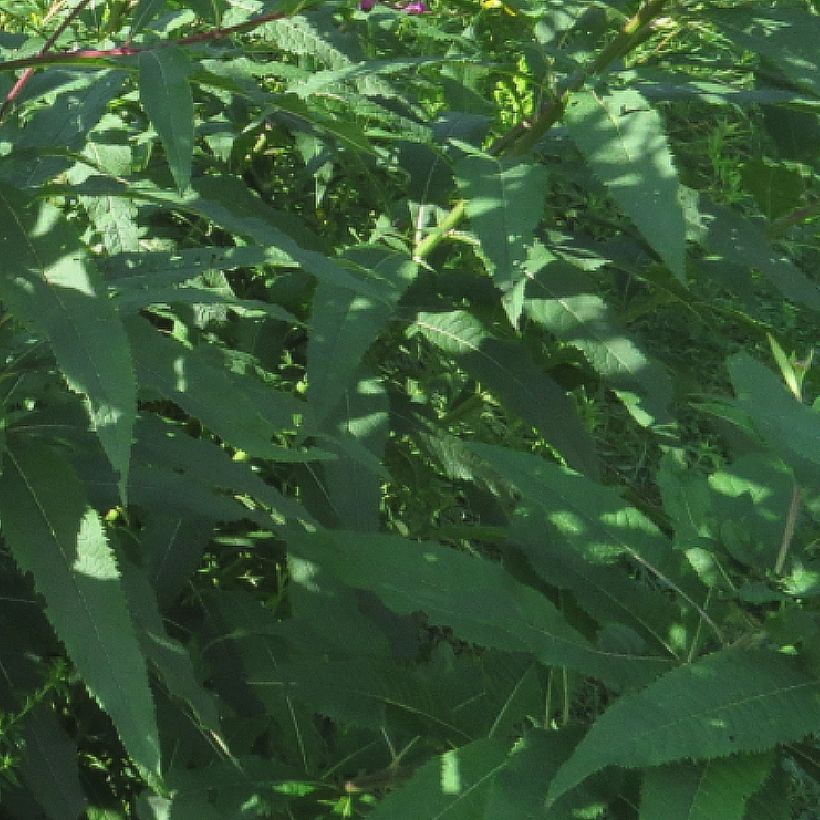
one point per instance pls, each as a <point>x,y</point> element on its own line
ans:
<point>27,74</point>
<point>46,57</point>
<point>788,530</point>
<point>522,137</point>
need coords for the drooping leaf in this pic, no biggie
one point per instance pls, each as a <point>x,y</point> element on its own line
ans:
<point>505,203</point>
<point>507,369</point>
<point>167,656</point>
<point>454,786</point>
<point>607,593</point>
<point>623,140</point>
<point>40,149</point>
<point>145,12</point>
<point>477,598</point>
<point>591,518</point>
<point>165,95</point>
<point>785,37</point>
<point>351,485</point>
<point>54,535</point>
<point>741,241</point>
<point>187,377</point>
<point>791,428</point>
<point>717,788</point>
<point>226,202</point>
<point>50,283</point>
<point>49,765</point>
<point>344,325</point>
<point>166,445</point>
<point>730,702</point>
<point>564,302</point>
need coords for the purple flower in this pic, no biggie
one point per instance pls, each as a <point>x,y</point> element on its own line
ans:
<point>416,7</point>
<point>367,5</point>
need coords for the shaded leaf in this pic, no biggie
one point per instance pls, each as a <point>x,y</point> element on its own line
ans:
<point>729,702</point>
<point>563,301</point>
<point>344,325</point>
<point>49,282</point>
<point>477,598</point>
<point>212,394</point>
<point>718,788</point>
<point>791,428</point>
<point>743,242</point>
<point>55,536</point>
<point>454,786</point>
<point>49,765</point>
<point>165,95</point>
<point>623,140</point>
<point>506,368</point>
<point>505,202</point>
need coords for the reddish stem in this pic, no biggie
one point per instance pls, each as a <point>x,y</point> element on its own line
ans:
<point>27,74</point>
<point>45,56</point>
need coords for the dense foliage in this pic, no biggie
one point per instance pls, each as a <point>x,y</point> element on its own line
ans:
<point>408,410</point>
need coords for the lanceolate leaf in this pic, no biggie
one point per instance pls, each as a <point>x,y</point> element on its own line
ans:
<point>165,95</point>
<point>505,203</point>
<point>730,702</point>
<point>344,325</point>
<point>560,299</point>
<point>785,37</point>
<point>477,598</point>
<point>623,141</point>
<point>791,428</point>
<point>741,241</point>
<point>506,368</point>
<point>455,786</point>
<point>49,765</point>
<point>167,656</point>
<point>189,378</point>
<point>62,126</point>
<point>54,535</point>
<point>590,517</point>
<point>717,788</point>
<point>49,282</point>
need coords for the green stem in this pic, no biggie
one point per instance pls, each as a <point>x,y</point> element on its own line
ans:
<point>520,139</point>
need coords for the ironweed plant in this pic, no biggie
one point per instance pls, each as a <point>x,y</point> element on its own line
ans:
<point>408,409</point>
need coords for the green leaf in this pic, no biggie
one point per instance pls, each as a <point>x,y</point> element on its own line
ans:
<point>55,536</point>
<point>480,601</point>
<point>168,657</point>
<point>791,428</point>
<point>148,269</point>
<point>344,129</point>
<point>49,765</point>
<point>113,217</point>
<point>50,283</point>
<point>145,12</point>
<point>352,484</point>
<point>505,202</point>
<point>506,368</point>
<point>454,786</point>
<point>591,518</point>
<point>60,126</point>
<point>785,37</point>
<point>741,241</point>
<point>718,788</point>
<point>165,445</point>
<point>165,95</point>
<point>344,325</point>
<point>727,703</point>
<point>622,139</point>
<point>562,300</point>
<point>300,35</point>
<point>605,592</point>
<point>190,378</point>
